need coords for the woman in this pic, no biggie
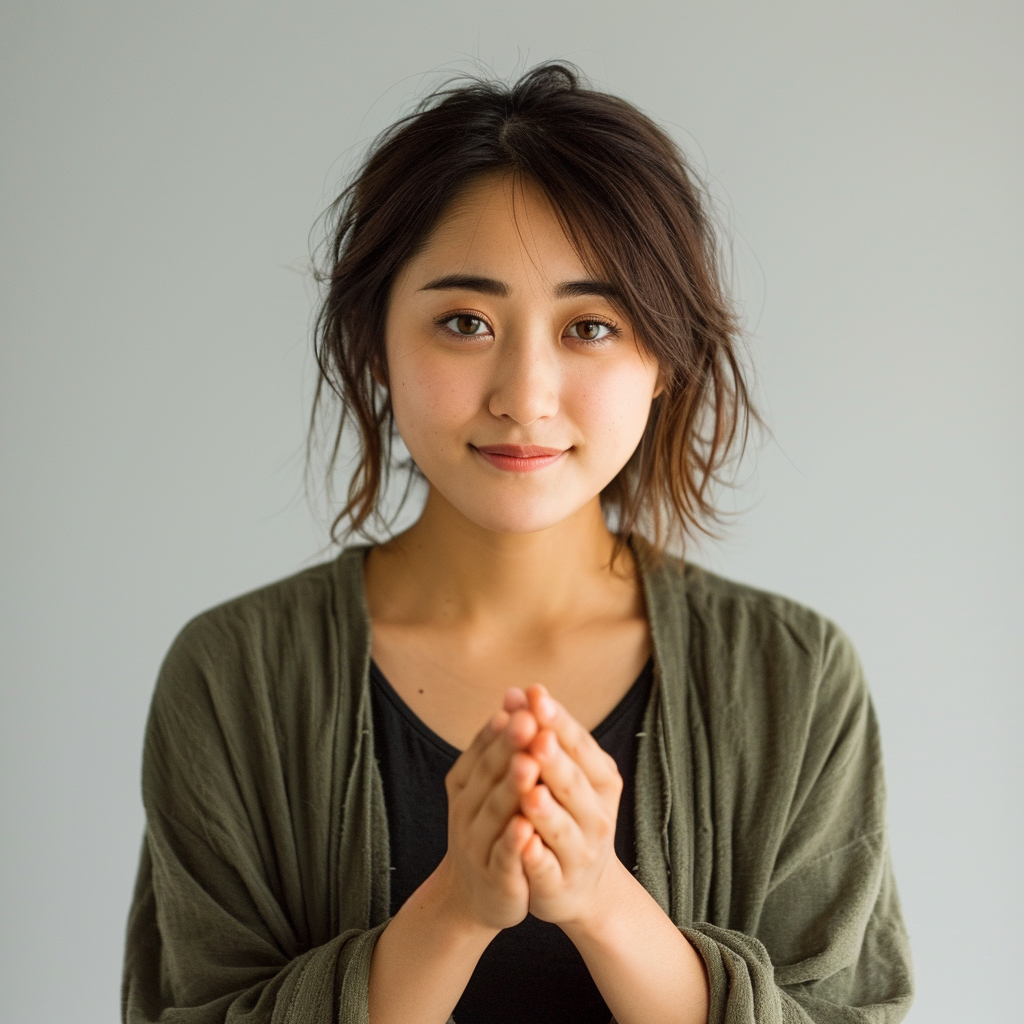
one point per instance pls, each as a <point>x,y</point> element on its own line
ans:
<point>514,764</point>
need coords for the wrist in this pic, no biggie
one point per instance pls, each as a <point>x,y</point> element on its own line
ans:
<point>614,897</point>
<point>424,958</point>
<point>444,902</point>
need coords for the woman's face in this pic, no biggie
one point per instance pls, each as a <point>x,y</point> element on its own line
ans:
<point>494,337</point>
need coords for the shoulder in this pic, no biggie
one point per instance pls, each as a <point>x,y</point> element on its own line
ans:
<point>728,612</point>
<point>759,651</point>
<point>251,692</point>
<point>258,619</point>
<point>740,613</point>
<point>279,639</point>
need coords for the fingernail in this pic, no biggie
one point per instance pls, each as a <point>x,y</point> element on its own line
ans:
<point>546,706</point>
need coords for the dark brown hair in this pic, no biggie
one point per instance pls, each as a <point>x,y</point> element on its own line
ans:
<point>637,217</point>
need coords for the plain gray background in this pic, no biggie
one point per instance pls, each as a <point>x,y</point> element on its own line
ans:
<point>163,166</point>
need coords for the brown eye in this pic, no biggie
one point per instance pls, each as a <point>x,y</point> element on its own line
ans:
<point>466,324</point>
<point>588,330</point>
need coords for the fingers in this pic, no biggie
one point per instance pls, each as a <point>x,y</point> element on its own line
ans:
<point>563,842</point>
<point>501,801</point>
<point>508,847</point>
<point>540,863</point>
<point>593,811</point>
<point>597,764</point>
<point>515,699</point>
<point>463,767</point>
<point>486,771</point>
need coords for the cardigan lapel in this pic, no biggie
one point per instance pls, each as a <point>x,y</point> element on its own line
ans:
<point>362,859</point>
<point>664,786</point>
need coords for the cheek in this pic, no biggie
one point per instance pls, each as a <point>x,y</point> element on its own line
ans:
<point>612,409</point>
<point>428,396</point>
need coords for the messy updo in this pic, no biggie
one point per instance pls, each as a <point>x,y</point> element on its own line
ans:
<point>634,212</point>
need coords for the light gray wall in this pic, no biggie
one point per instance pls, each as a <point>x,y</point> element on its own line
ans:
<point>163,166</point>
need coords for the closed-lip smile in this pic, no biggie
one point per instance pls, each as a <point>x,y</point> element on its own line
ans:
<point>519,458</point>
<point>519,451</point>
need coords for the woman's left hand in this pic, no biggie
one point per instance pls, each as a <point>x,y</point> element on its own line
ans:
<point>573,809</point>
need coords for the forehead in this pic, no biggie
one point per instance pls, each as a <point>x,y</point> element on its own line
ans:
<point>500,220</point>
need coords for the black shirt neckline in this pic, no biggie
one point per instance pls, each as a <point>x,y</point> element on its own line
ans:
<point>608,722</point>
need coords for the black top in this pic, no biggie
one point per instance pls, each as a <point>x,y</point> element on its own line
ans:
<point>532,973</point>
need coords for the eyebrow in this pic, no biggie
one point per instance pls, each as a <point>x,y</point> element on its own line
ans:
<point>490,286</point>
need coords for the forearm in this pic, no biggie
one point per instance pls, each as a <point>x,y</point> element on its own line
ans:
<point>642,963</point>
<point>423,959</point>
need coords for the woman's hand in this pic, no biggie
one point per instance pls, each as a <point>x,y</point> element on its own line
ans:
<point>483,870</point>
<point>573,810</point>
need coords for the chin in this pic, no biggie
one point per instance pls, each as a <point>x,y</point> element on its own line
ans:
<point>517,516</point>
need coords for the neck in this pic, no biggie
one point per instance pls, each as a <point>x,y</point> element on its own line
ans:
<point>447,571</point>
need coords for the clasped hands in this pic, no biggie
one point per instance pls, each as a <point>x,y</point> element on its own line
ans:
<point>532,808</point>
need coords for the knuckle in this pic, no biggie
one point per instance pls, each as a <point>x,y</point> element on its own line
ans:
<point>563,791</point>
<point>496,800</point>
<point>494,758</point>
<point>572,745</point>
<point>455,777</point>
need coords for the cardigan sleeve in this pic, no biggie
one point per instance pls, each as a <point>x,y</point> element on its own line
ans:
<point>829,945</point>
<point>222,928</point>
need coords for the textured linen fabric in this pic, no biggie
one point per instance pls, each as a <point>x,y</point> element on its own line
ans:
<point>263,879</point>
<point>532,971</point>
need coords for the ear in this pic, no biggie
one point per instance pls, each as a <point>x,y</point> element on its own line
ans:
<point>660,385</point>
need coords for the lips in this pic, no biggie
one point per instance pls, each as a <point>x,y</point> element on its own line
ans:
<point>520,458</point>
<point>519,451</point>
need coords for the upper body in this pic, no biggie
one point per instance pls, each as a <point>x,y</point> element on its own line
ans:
<point>522,286</point>
<point>760,821</point>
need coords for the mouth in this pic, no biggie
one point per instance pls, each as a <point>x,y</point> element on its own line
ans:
<point>519,458</point>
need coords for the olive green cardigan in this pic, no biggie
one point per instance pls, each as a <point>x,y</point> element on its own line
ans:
<point>760,809</point>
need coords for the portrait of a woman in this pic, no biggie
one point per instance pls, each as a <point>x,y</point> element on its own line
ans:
<point>525,760</point>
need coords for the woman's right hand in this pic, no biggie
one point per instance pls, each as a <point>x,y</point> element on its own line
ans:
<point>482,871</point>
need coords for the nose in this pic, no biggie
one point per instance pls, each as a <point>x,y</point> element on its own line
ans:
<point>527,377</point>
